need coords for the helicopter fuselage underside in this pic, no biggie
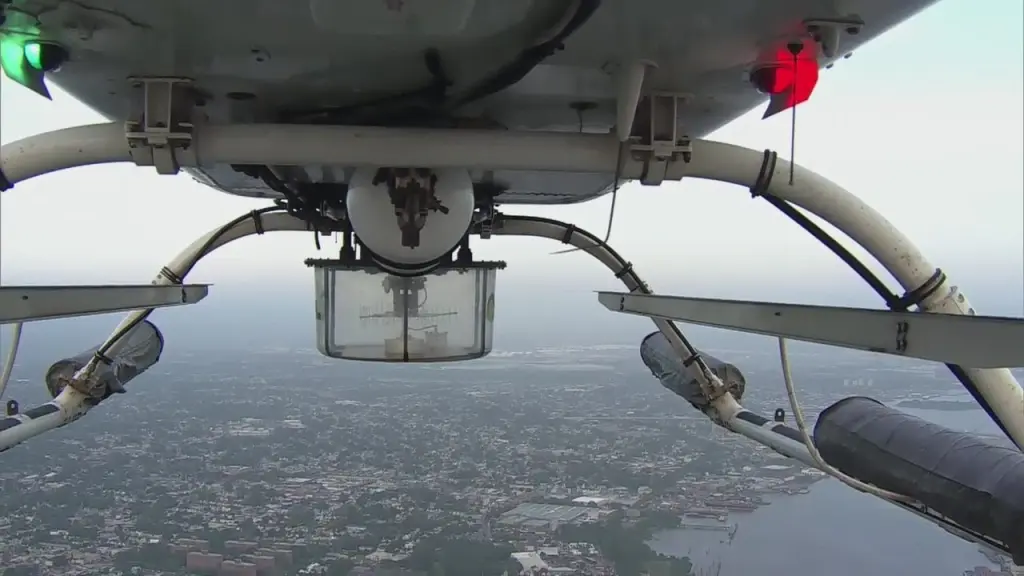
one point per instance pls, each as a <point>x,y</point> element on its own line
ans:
<point>264,60</point>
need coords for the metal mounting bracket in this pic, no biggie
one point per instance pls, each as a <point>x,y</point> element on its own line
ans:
<point>487,216</point>
<point>160,133</point>
<point>655,136</point>
<point>827,32</point>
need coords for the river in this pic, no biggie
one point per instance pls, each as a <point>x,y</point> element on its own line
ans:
<point>834,531</point>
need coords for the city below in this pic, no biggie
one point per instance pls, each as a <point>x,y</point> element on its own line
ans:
<point>280,462</point>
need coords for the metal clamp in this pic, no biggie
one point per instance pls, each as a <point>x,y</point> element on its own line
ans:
<point>902,328</point>
<point>656,141</point>
<point>160,134</point>
<point>827,32</point>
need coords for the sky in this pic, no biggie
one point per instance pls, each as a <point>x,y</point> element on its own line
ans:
<point>925,124</point>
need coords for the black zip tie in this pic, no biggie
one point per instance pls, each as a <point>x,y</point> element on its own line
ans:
<point>171,276</point>
<point>765,175</point>
<point>627,269</point>
<point>567,236</point>
<point>689,361</point>
<point>101,357</point>
<point>918,295</point>
<point>257,222</point>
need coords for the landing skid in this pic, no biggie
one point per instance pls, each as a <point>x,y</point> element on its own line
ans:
<point>178,144</point>
<point>980,341</point>
<point>27,303</point>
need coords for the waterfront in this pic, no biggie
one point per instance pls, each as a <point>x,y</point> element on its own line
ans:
<point>834,531</point>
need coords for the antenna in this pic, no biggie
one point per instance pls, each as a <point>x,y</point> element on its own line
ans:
<point>795,48</point>
<point>615,194</point>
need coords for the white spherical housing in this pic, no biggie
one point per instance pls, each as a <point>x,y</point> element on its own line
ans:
<point>373,220</point>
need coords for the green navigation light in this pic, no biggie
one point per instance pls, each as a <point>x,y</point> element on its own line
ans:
<point>12,59</point>
<point>45,56</point>
<point>34,55</point>
<point>25,62</point>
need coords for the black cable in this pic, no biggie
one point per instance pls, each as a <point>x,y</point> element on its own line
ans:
<point>893,302</point>
<point>425,105</point>
<point>760,190</point>
<point>528,59</point>
<point>101,352</point>
<point>832,244</point>
<point>391,107</point>
<point>625,267</point>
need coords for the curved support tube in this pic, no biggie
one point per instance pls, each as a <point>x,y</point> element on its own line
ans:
<point>71,404</point>
<point>723,406</point>
<point>62,149</point>
<point>332,145</point>
<point>902,259</point>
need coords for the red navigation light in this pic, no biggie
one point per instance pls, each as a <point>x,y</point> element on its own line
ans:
<point>789,79</point>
